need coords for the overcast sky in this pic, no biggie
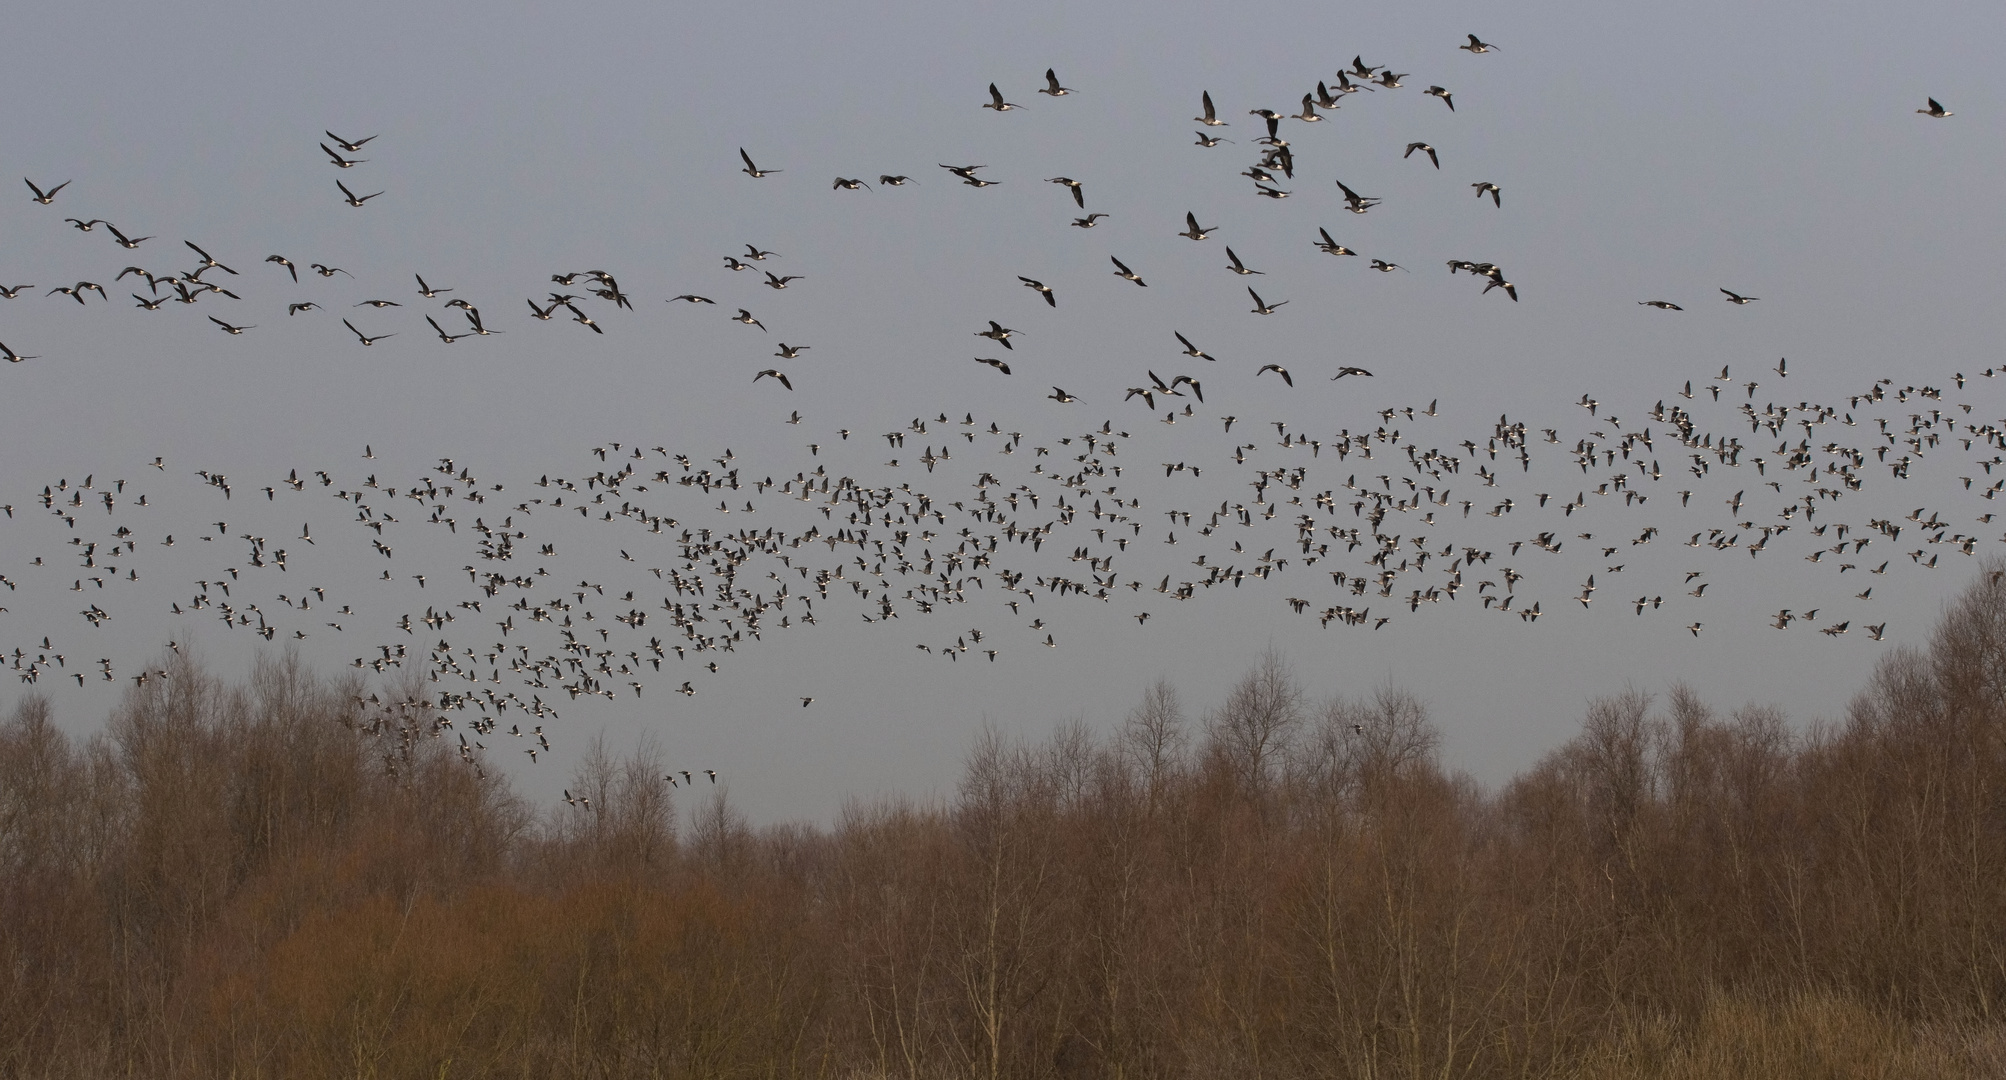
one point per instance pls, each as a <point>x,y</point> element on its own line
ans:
<point>1642,154</point>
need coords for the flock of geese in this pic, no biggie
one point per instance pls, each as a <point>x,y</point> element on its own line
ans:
<point>641,567</point>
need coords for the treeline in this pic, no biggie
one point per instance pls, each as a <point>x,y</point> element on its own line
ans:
<point>285,879</point>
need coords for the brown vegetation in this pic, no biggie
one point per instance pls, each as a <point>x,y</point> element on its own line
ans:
<point>270,881</point>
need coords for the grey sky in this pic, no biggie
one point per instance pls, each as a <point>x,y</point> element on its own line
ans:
<point>1642,153</point>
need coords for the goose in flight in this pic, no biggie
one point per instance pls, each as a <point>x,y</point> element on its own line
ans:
<point>1348,370</point>
<point>1122,271</point>
<point>752,170</point>
<point>1391,79</point>
<point>14,292</point>
<point>1935,110</point>
<point>1192,350</point>
<point>1061,396</point>
<point>1262,307</point>
<point>996,101</point>
<point>49,196</point>
<point>1737,299</point>
<point>1331,247</point>
<point>365,339</point>
<point>352,197</point>
<point>1424,148</point>
<point>1309,110</point>
<point>233,331</point>
<point>209,261</point>
<point>789,352</point>
<point>997,364</point>
<point>85,226</point>
<point>1079,194</point>
<point>1277,369</point>
<point>352,147</point>
<point>318,268</point>
<point>1042,288</point>
<point>340,162</point>
<point>773,282</point>
<point>745,317</point>
<point>1192,230</point>
<point>770,373</point>
<point>1210,119</point>
<point>285,262</point>
<point>1662,305</point>
<point>294,309</point>
<point>844,183</point>
<point>1089,221</point>
<point>443,336</point>
<point>124,241</point>
<point>1356,203</point>
<point>1234,264</point>
<point>691,298</point>
<point>1485,187</point>
<point>998,333</point>
<point>1436,91</point>
<point>890,180</point>
<point>12,356</point>
<point>1385,267</point>
<point>1208,141</point>
<point>1052,86</point>
<point>1476,46</point>
<point>427,291</point>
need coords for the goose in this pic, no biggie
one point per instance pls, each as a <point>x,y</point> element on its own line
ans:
<point>1662,305</point>
<point>1209,119</point>
<point>1122,271</point>
<point>1485,187</point>
<point>752,170</point>
<point>1424,148</point>
<point>1262,307</point>
<point>1042,289</point>
<point>996,101</point>
<point>49,196</point>
<point>443,336</point>
<point>352,198</point>
<point>770,373</point>
<point>210,260</point>
<point>427,291</point>
<point>323,271</point>
<point>1089,221</point>
<point>1277,369</point>
<point>1192,350</point>
<point>997,364</point>
<point>846,184</point>
<point>1079,194</point>
<point>233,331</point>
<point>366,339</point>
<point>1309,111</point>
<point>789,352</point>
<point>1348,370</point>
<point>745,317</point>
<point>1331,247</point>
<point>352,147</point>
<point>1385,267</point>
<point>773,282</point>
<point>1234,264</point>
<point>690,298</point>
<point>889,180</point>
<point>998,333</point>
<point>1052,86</point>
<point>1436,91</point>
<point>1934,110</point>
<point>13,357</point>
<point>1061,396</point>
<point>1476,46</point>
<point>1208,141</point>
<point>285,262</point>
<point>1193,231</point>
<point>85,226</point>
<point>340,162</point>
<point>1737,299</point>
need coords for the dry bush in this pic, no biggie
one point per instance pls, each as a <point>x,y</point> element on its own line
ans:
<point>296,877</point>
